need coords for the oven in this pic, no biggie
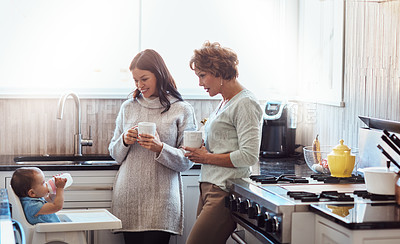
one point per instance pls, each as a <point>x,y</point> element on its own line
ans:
<point>268,207</point>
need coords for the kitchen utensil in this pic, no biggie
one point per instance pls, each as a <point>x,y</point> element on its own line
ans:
<point>147,128</point>
<point>381,124</point>
<point>192,139</point>
<point>322,167</point>
<point>386,139</point>
<point>380,180</point>
<point>393,137</point>
<point>340,161</point>
<point>311,160</point>
<point>388,156</point>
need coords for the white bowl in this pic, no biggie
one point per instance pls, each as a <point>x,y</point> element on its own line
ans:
<point>380,180</point>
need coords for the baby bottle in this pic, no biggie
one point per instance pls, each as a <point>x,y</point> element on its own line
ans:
<point>51,182</point>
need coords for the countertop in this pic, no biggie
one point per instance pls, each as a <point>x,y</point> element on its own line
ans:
<point>7,163</point>
<point>361,216</point>
<point>270,166</point>
<point>289,165</point>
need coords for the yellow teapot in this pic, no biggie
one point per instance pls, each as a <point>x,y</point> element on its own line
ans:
<point>341,161</point>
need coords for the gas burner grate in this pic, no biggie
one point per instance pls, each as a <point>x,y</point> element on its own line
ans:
<point>338,180</point>
<point>374,197</point>
<point>284,178</point>
<point>303,196</point>
<point>323,196</point>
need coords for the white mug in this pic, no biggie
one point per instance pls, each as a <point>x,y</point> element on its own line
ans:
<point>147,128</point>
<point>192,139</point>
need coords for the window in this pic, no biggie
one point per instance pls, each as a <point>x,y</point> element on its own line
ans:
<point>262,33</point>
<point>86,46</point>
<point>50,46</point>
<point>321,51</point>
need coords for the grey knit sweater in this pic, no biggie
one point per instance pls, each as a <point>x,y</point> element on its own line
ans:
<point>148,192</point>
<point>233,129</point>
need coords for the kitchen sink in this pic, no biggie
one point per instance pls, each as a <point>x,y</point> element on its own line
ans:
<point>65,160</point>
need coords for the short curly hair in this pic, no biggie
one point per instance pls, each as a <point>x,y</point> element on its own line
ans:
<point>218,61</point>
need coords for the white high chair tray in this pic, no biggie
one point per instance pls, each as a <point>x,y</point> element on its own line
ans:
<point>81,219</point>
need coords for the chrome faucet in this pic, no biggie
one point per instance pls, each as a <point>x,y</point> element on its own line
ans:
<point>78,141</point>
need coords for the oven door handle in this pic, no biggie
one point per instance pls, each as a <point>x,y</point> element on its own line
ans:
<point>236,237</point>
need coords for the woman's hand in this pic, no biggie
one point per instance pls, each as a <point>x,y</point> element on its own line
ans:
<point>197,155</point>
<point>130,136</point>
<point>150,142</point>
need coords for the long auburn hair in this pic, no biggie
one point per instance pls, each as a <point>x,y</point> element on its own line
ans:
<point>151,61</point>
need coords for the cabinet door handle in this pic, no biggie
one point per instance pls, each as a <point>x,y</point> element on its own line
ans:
<point>237,238</point>
<point>89,188</point>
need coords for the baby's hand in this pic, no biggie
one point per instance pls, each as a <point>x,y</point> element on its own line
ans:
<point>60,182</point>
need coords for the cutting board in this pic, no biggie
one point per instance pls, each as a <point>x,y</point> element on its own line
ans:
<point>318,188</point>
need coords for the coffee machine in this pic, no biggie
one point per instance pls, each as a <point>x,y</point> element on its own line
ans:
<point>279,129</point>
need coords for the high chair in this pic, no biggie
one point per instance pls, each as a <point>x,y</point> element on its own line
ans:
<point>72,227</point>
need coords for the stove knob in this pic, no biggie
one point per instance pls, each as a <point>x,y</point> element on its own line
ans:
<point>268,222</point>
<point>229,199</point>
<point>244,206</point>
<point>277,224</point>
<point>272,224</point>
<point>232,204</point>
<point>260,220</point>
<point>236,204</point>
<point>254,211</point>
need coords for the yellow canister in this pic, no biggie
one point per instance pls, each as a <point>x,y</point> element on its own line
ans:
<point>341,161</point>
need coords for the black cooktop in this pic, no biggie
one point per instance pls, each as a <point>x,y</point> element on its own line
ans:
<point>358,216</point>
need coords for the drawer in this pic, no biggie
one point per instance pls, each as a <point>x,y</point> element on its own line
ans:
<point>81,205</point>
<point>87,196</point>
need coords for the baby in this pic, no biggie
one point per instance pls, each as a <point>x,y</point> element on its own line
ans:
<point>30,186</point>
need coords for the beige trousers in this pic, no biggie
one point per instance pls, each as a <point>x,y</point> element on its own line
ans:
<point>214,222</point>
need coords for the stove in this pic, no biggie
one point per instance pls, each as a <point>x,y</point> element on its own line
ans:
<point>284,178</point>
<point>264,204</point>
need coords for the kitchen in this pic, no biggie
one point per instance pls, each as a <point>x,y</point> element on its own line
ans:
<point>370,88</point>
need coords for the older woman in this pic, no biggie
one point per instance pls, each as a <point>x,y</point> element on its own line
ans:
<point>232,140</point>
<point>147,194</point>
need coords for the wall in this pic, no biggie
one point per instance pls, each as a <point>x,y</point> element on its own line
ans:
<point>30,125</point>
<point>371,88</point>
<point>371,75</point>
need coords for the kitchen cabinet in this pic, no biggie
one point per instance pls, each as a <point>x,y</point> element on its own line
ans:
<point>90,189</point>
<point>93,189</point>
<point>191,196</point>
<point>327,231</point>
